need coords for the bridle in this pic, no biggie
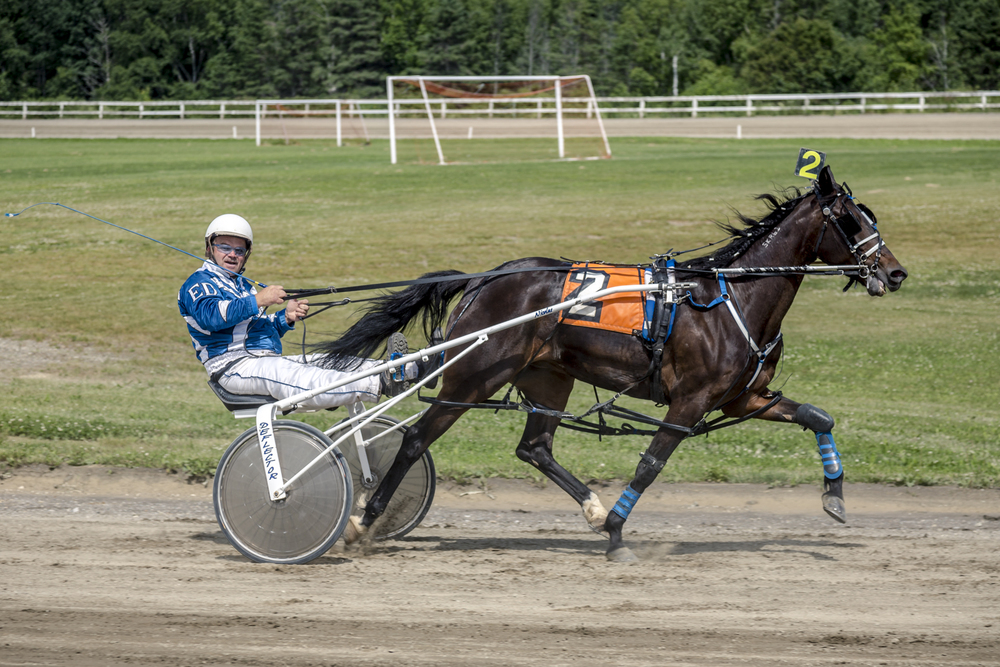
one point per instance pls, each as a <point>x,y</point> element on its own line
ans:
<point>849,226</point>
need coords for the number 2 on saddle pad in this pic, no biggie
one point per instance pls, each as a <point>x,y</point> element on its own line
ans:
<point>809,164</point>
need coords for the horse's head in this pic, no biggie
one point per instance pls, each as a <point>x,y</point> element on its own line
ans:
<point>854,237</point>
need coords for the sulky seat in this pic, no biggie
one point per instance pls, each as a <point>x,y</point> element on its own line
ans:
<point>241,405</point>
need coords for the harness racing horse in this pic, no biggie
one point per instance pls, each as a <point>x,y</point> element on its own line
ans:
<point>716,358</point>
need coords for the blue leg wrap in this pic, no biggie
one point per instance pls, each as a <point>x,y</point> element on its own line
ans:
<point>832,467</point>
<point>625,504</point>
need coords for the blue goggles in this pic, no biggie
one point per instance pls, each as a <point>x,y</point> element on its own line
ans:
<point>226,249</point>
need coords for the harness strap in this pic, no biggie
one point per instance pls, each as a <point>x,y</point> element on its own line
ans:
<point>761,357</point>
<point>725,297</point>
<point>761,354</point>
<point>577,423</point>
<point>738,317</point>
<point>704,427</point>
<point>878,246</point>
<point>822,233</point>
<point>661,326</point>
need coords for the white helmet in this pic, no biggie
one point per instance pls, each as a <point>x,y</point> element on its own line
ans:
<point>229,224</point>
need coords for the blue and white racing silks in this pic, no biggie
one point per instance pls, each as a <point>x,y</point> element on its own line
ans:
<point>223,318</point>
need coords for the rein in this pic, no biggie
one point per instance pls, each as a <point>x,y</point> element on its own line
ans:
<point>762,271</point>
<point>304,293</point>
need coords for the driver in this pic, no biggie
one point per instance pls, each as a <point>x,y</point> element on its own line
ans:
<point>240,344</point>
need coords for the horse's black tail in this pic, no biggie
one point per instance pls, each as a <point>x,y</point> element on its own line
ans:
<point>390,313</point>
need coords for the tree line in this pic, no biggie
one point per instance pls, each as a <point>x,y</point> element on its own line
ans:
<point>244,49</point>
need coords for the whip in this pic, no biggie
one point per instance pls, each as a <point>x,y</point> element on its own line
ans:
<point>124,229</point>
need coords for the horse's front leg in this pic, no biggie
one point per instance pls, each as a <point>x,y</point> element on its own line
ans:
<point>655,457</point>
<point>416,440</point>
<point>821,424</point>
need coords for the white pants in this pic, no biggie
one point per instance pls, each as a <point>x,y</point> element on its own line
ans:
<point>282,377</point>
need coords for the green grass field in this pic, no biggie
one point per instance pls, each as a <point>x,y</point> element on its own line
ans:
<point>106,374</point>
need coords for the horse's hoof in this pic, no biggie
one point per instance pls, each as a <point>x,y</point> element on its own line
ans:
<point>622,555</point>
<point>834,506</point>
<point>595,514</point>
<point>354,531</point>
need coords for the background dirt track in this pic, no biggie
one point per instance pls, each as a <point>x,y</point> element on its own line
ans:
<point>856,126</point>
<point>113,567</point>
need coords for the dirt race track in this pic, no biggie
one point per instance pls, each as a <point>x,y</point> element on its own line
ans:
<point>114,567</point>
<point>956,126</point>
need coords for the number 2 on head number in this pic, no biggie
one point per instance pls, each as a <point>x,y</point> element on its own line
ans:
<point>809,163</point>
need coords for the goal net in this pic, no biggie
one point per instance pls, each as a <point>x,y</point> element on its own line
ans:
<point>451,111</point>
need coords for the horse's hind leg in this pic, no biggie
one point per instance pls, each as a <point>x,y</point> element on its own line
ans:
<point>535,446</point>
<point>821,424</point>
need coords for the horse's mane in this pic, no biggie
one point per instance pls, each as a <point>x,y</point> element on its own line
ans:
<point>749,230</point>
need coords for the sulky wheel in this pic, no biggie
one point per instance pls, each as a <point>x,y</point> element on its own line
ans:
<point>302,526</point>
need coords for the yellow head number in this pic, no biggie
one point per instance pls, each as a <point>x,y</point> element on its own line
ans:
<point>809,164</point>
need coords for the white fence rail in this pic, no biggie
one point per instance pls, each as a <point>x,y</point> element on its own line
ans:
<point>640,107</point>
<point>799,104</point>
<point>101,110</point>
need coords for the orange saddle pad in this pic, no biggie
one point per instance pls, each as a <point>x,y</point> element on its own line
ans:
<point>625,312</point>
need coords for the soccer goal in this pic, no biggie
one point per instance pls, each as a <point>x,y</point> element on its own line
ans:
<point>559,107</point>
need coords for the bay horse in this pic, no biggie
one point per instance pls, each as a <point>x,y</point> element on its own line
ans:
<point>716,358</point>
